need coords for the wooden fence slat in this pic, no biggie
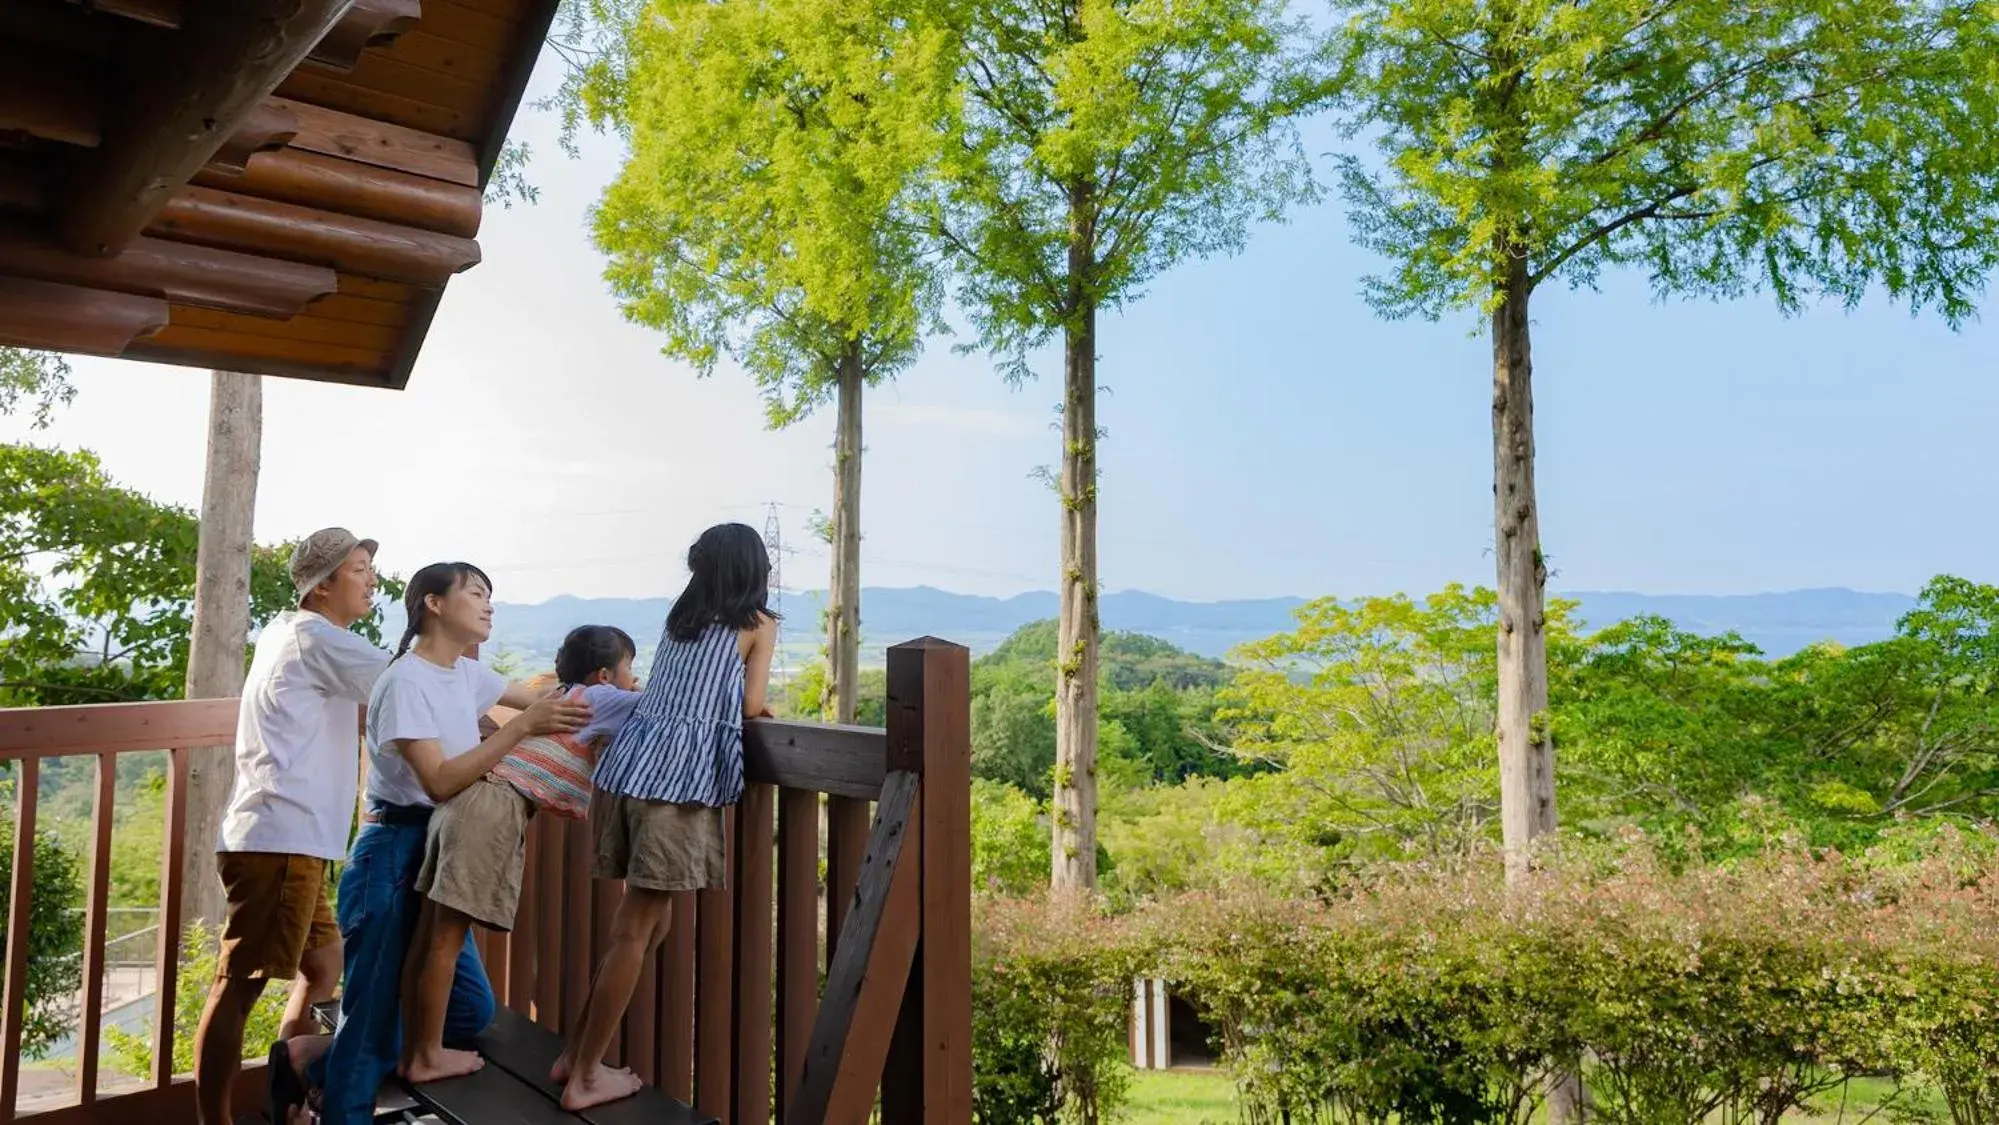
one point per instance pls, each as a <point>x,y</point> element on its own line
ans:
<point>642,1024</point>
<point>95,928</point>
<point>847,830</point>
<point>604,897</point>
<point>797,936</point>
<point>714,1036</point>
<point>172,860</point>
<point>755,867</point>
<point>864,986</point>
<point>548,925</point>
<point>521,944</point>
<point>678,1010</point>
<point>20,937</point>
<point>576,965</point>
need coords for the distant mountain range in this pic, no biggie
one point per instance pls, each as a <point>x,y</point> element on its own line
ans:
<point>1779,623</point>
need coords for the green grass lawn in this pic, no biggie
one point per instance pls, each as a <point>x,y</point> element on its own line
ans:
<point>1208,1098</point>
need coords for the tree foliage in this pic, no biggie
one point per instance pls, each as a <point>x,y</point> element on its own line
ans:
<point>55,934</point>
<point>37,378</point>
<point>762,213</point>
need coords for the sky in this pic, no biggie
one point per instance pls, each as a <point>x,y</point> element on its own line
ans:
<point>1268,435</point>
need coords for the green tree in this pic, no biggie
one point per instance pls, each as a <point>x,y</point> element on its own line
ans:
<point>55,934</point>
<point>1100,142</point>
<point>40,378</point>
<point>1798,147</point>
<point>764,214</point>
<point>1009,840</point>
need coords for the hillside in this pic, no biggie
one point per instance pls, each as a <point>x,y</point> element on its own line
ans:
<point>1779,623</point>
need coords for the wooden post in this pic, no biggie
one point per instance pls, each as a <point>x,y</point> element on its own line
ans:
<point>928,1077</point>
<point>221,615</point>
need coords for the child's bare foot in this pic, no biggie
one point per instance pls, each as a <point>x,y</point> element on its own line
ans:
<point>559,1073</point>
<point>597,1085</point>
<point>434,1066</point>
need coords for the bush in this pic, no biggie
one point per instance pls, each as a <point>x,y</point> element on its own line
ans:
<point>1682,993</point>
<point>55,937</point>
<point>1051,996</point>
<point>1011,845</point>
<point>199,950</point>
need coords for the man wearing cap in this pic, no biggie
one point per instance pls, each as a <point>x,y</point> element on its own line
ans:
<point>297,769</point>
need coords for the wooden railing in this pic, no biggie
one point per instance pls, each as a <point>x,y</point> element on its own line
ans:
<point>732,1015</point>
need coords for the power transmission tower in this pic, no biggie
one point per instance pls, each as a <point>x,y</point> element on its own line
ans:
<point>774,543</point>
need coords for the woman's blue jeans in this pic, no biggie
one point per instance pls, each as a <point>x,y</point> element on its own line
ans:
<point>377,915</point>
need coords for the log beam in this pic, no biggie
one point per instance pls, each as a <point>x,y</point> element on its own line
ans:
<point>371,23</point>
<point>21,187</point>
<point>270,126</point>
<point>353,188</point>
<point>173,271</point>
<point>333,133</point>
<point>303,234</point>
<point>52,96</point>
<point>183,108</point>
<point>168,14</point>
<point>65,318</point>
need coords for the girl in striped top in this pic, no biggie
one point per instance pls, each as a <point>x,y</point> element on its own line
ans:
<point>663,781</point>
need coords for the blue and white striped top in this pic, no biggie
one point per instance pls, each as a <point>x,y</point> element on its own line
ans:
<point>684,741</point>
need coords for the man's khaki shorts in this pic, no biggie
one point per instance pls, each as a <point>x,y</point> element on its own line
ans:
<point>277,912</point>
<point>657,846</point>
<point>476,852</point>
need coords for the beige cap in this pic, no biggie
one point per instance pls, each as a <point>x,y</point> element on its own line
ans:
<point>318,555</point>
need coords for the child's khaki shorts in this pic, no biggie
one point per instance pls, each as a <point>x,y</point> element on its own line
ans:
<point>657,846</point>
<point>476,851</point>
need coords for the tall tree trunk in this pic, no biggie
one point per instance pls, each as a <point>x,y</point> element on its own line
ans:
<point>843,614</point>
<point>221,616</point>
<point>1075,832</point>
<point>1526,756</point>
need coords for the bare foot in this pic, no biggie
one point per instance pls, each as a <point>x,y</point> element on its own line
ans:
<point>434,1066</point>
<point>559,1073</point>
<point>597,1085</point>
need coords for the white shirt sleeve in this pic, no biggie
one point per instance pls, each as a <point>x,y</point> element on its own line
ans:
<point>487,685</point>
<point>402,714</point>
<point>609,708</point>
<point>343,664</point>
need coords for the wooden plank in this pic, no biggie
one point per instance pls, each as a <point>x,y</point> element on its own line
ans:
<point>238,347</point>
<point>521,950</point>
<point>577,850</point>
<point>678,1009</point>
<point>641,1028</point>
<point>714,1039</point>
<point>604,897</point>
<point>371,338</point>
<point>368,24</point>
<point>865,983</point>
<point>375,289</point>
<point>269,126</point>
<point>847,828</point>
<point>454,58</point>
<point>173,867</point>
<point>21,186</point>
<point>339,93</point>
<point>303,234</point>
<point>247,361</point>
<point>388,72</point>
<point>930,725</point>
<point>54,96</point>
<point>358,310</point>
<point>524,1052</point>
<point>20,935</point>
<point>90,1032</point>
<point>754,872</point>
<point>797,936</point>
<point>168,14</point>
<point>537,17</point>
<point>491,1097</point>
<point>70,318</point>
<point>181,106</point>
<point>547,859</point>
<point>331,132</point>
<point>473,25</point>
<point>56,26</point>
<point>840,760</point>
<point>353,187</point>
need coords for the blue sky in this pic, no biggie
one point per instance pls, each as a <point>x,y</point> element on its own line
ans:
<point>1267,435</point>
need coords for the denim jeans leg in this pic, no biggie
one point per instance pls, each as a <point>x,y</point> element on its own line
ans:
<point>377,918</point>
<point>471,1007</point>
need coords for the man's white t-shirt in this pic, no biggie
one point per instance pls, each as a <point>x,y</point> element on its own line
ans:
<point>298,750</point>
<point>417,699</point>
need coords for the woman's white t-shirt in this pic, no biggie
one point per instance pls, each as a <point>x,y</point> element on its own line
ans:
<point>417,699</point>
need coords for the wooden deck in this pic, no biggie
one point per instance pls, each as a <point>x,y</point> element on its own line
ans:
<point>731,1018</point>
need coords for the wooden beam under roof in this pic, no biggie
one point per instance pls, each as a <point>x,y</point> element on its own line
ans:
<point>223,64</point>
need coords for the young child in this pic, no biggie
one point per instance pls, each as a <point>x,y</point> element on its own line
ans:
<point>664,780</point>
<point>476,851</point>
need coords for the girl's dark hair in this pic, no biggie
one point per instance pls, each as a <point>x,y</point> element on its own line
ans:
<point>589,649</point>
<point>730,584</point>
<point>436,579</point>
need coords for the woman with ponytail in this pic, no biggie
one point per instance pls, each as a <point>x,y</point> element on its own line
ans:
<point>423,748</point>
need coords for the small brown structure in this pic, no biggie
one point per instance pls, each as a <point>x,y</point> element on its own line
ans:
<point>278,187</point>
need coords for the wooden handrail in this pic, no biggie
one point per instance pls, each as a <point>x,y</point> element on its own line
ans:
<point>117,728</point>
